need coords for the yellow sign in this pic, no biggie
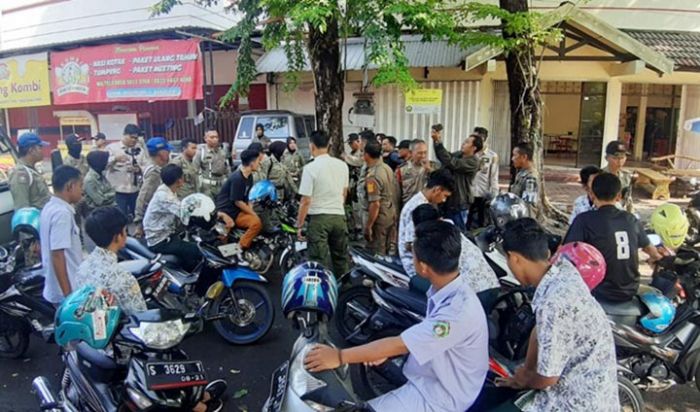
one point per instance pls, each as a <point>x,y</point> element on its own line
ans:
<point>24,81</point>
<point>424,101</point>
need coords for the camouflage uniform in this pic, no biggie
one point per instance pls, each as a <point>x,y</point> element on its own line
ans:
<point>263,172</point>
<point>151,181</point>
<point>381,186</point>
<point>526,186</point>
<point>279,175</point>
<point>80,164</point>
<point>190,176</point>
<point>97,191</point>
<point>28,187</point>
<point>212,168</point>
<point>626,181</point>
<point>356,195</point>
<point>294,163</point>
<point>411,179</point>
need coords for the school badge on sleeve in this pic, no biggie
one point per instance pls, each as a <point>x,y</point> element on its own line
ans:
<point>441,329</point>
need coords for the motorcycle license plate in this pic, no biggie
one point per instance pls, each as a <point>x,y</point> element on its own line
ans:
<point>299,246</point>
<point>171,375</point>
<point>278,388</point>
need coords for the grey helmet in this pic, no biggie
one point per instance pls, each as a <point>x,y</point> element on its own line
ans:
<point>507,207</point>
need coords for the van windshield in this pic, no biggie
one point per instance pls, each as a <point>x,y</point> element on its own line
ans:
<point>275,126</point>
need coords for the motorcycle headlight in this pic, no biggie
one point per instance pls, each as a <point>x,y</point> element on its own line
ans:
<point>161,335</point>
<point>300,380</point>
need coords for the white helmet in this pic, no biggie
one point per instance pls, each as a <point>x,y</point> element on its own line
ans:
<point>196,205</point>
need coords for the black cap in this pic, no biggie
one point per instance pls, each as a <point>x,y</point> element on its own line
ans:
<point>99,136</point>
<point>352,137</point>
<point>132,130</point>
<point>616,148</point>
<point>72,139</point>
<point>405,144</point>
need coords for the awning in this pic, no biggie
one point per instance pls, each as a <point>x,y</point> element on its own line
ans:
<point>612,38</point>
<point>418,52</point>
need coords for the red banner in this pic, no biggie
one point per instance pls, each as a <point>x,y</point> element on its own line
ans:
<point>156,70</point>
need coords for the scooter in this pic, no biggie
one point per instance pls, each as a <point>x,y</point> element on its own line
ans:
<point>23,310</point>
<point>142,370</point>
<point>237,304</point>
<point>294,389</point>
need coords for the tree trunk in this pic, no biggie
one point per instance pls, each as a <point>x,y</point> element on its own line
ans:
<point>526,110</point>
<point>324,55</point>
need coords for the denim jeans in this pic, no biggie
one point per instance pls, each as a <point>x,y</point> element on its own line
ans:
<point>126,202</point>
<point>460,220</point>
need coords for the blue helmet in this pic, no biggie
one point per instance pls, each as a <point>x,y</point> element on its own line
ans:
<point>661,310</point>
<point>26,221</point>
<point>262,191</point>
<point>309,286</point>
<point>88,315</point>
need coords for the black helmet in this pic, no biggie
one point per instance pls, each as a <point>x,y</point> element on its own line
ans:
<point>507,207</point>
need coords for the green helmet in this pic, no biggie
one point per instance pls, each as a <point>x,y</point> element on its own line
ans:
<point>669,222</point>
<point>87,315</point>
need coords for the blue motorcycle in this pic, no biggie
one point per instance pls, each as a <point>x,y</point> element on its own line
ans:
<point>236,301</point>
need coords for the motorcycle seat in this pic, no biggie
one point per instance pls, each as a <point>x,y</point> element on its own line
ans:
<point>138,267</point>
<point>96,357</point>
<point>629,308</point>
<point>31,281</point>
<point>414,301</point>
<point>139,247</point>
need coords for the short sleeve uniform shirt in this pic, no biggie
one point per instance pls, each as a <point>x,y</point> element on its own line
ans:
<point>448,357</point>
<point>58,231</point>
<point>324,180</point>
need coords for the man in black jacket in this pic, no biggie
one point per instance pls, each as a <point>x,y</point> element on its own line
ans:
<point>463,166</point>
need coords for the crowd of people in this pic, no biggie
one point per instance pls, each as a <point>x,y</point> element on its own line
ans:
<point>402,204</point>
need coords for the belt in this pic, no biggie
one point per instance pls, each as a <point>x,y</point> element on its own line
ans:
<point>215,182</point>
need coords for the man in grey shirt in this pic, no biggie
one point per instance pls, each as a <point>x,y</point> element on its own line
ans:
<point>61,248</point>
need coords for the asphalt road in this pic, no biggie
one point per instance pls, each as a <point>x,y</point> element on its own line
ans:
<point>246,368</point>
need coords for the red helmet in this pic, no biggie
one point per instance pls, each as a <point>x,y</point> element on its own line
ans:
<point>587,259</point>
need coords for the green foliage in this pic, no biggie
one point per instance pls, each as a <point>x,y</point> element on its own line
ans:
<point>285,23</point>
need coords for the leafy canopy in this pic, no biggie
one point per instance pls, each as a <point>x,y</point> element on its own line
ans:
<point>284,23</point>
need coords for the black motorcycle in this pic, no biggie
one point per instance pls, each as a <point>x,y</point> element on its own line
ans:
<point>141,370</point>
<point>277,243</point>
<point>23,310</point>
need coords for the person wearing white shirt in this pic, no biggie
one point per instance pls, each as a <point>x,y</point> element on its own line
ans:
<point>323,189</point>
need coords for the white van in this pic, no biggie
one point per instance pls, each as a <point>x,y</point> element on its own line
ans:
<point>278,124</point>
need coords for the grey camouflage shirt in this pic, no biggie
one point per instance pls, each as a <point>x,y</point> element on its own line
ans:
<point>100,270</point>
<point>151,181</point>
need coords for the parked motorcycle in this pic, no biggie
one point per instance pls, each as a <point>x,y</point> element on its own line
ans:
<point>141,369</point>
<point>237,304</point>
<point>277,243</point>
<point>692,212</point>
<point>23,310</point>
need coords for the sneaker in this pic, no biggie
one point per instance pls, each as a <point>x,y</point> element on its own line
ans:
<point>216,389</point>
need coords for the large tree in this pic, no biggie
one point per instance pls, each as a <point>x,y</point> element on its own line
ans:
<point>314,30</point>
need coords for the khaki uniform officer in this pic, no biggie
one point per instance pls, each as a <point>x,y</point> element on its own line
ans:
<point>381,211</point>
<point>159,151</point>
<point>210,163</point>
<point>616,156</point>
<point>27,185</point>
<point>189,171</point>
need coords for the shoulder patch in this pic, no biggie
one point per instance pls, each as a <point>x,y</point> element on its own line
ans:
<point>441,329</point>
<point>371,186</point>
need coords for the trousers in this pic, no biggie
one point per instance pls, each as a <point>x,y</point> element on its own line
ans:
<point>126,202</point>
<point>328,242</point>
<point>253,226</point>
<point>187,252</point>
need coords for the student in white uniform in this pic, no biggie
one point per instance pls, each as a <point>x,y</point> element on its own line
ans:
<point>448,351</point>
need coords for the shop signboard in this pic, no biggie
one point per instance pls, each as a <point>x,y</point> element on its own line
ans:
<point>150,71</point>
<point>24,81</point>
<point>423,101</point>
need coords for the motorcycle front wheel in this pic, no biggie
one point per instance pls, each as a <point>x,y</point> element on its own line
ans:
<point>630,398</point>
<point>245,313</point>
<point>14,337</point>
